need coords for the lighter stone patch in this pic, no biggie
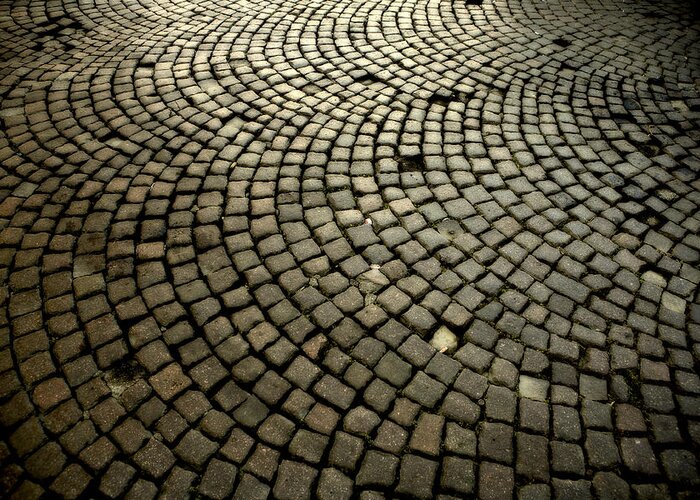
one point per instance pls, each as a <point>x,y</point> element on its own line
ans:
<point>654,278</point>
<point>666,195</point>
<point>673,302</point>
<point>444,340</point>
<point>680,106</point>
<point>533,388</point>
<point>372,281</point>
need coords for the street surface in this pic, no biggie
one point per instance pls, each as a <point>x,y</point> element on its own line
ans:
<point>338,248</point>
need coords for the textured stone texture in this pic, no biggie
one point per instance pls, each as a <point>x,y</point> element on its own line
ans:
<point>346,249</point>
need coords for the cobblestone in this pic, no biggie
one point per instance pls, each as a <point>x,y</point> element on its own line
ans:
<point>230,232</point>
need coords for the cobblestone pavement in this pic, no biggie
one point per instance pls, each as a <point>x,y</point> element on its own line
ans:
<point>296,248</point>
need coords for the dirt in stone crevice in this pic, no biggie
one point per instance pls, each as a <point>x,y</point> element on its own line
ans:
<point>123,375</point>
<point>60,31</point>
<point>634,384</point>
<point>650,217</point>
<point>444,98</point>
<point>368,78</point>
<point>440,99</point>
<point>648,267</point>
<point>64,26</point>
<point>651,148</point>
<point>411,163</point>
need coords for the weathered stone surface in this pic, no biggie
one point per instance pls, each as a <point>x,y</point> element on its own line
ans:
<point>349,250</point>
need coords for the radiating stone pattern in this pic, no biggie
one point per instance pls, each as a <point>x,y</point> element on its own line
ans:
<point>229,231</point>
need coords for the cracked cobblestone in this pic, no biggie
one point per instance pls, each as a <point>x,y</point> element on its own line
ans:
<point>312,249</point>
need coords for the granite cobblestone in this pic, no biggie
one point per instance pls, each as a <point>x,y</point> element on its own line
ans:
<point>304,249</point>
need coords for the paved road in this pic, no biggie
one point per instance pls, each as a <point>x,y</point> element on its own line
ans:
<point>332,248</point>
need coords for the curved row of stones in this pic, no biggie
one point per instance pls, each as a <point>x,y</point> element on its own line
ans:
<point>303,248</point>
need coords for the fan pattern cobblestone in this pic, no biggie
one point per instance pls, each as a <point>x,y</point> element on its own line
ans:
<point>230,231</point>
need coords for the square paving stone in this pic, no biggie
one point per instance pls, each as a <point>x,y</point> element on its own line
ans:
<point>334,485</point>
<point>532,456</point>
<point>391,437</point>
<point>680,466</point>
<point>116,479</point>
<point>276,430</point>
<point>665,428</point>
<point>500,404</point>
<point>426,437</point>
<point>565,489</point>
<point>534,491</point>
<point>379,395</point>
<point>495,481</point>
<point>608,485</point>
<point>170,381</point>
<point>393,369</point>
<point>377,469</point>
<point>472,384</point>
<point>361,421</point>
<point>345,451</point>
<point>567,458</point>
<point>263,462</point>
<point>218,479</point>
<point>566,423</point>
<point>601,449</point>
<point>302,372</point>
<point>638,455</point>
<point>294,481</point>
<point>534,416</point>
<point>629,419</point>
<point>335,392</point>
<point>251,412</point>
<point>195,449</point>
<point>47,462</point>
<point>460,441</point>
<point>458,475</point>
<point>155,459</point>
<point>322,418</point>
<point>417,476</point>
<point>425,390</point>
<point>250,488</point>
<point>416,351</point>
<point>474,357</point>
<point>496,442</point>
<point>460,408</point>
<point>309,446</point>
<point>503,372</point>
<point>71,483</point>
<point>596,415</point>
